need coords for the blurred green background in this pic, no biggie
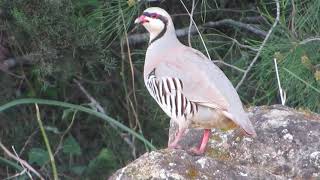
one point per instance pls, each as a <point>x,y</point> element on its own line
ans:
<point>68,50</point>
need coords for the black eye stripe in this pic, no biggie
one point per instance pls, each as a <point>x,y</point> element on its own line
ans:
<point>152,15</point>
<point>158,16</point>
<point>149,14</point>
<point>163,19</point>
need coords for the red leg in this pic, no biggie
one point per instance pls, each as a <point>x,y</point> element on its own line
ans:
<point>174,143</point>
<point>204,141</point>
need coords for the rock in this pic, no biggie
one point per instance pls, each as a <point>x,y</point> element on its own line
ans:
<point>287,146</point>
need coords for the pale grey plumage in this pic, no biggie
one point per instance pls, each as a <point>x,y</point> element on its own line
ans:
<point>202,96</point>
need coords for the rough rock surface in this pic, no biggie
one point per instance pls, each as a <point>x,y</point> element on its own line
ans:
<point>287,146</point>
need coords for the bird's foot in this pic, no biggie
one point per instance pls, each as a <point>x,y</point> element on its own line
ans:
<point>202,147</point>
<point>174,146</point>
<point>196,151</point>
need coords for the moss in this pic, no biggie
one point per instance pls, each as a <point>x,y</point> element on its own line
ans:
<point>306,112</point>
<point>216,138</point>
<point>192,173</point>
<point>218,154</point>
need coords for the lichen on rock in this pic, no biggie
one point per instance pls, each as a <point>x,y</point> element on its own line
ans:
<point>287,146</point>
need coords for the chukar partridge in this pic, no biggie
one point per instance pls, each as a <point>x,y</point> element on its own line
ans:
<point>188,86</point>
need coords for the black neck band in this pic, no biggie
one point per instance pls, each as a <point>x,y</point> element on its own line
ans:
<point>160,34</point>
<point>161,18</point>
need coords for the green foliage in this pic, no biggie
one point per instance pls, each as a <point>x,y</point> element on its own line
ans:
<point>302,59</point>
<point>71,146</point>
<point>38,156</point>
<point>59,36</point>
<point>113,22</point>
<point>85,40</point>
<point>101,165</point>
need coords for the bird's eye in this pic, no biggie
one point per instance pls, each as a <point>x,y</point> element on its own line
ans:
<point>154,15</point>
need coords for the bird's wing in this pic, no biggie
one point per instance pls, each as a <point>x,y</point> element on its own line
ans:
<point>197,86</point>
<point>204,83</point>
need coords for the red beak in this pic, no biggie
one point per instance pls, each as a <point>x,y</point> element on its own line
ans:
<point>141,19</point>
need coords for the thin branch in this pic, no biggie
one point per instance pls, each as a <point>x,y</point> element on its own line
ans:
<point>93,101</point>
<point>21,161</point>
<point>309,40</point>
<point>229,65</point>
<point>241,45</point>
<point>196,29</point>
<point>253,19</point>
<point>15,153</point>
<point>129,105</point>
<point>190,25</point>
<point>143,37</point>
<point>220,10</point>
<point>64,134</point>
<point>18,174</point>
<point>98,106</point>
<point>135,109</point>
<point>27,142</point>
<point>46,142</point>
<point>293,14</point>
<point>261,46</point>
<point>282,93</point>
<point>238,24</point>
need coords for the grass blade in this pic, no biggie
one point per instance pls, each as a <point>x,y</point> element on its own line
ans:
<point>79,108</point>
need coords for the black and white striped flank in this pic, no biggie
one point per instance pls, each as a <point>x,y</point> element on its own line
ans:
<point>168,92</point>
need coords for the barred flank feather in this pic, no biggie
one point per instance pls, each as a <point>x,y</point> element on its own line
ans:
<point>167,91</point>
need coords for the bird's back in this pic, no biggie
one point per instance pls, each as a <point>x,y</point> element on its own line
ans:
<point>218,79</point>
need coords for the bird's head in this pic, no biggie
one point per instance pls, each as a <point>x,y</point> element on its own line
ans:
<point>156,21</point>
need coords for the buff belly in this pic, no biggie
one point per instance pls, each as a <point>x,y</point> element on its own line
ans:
<point>208,118</point>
